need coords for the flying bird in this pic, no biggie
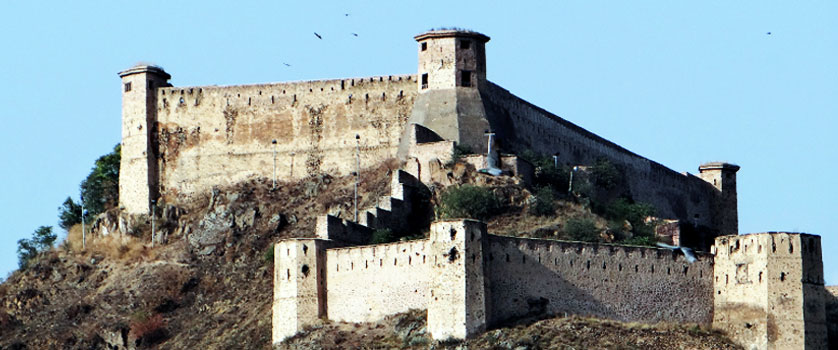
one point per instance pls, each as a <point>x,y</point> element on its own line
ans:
<point>318,36</point>
<point>355,34</point>
<point>688,253</point>
<point>286,64</point>
<point>346,14</point>
<point>769,33</point>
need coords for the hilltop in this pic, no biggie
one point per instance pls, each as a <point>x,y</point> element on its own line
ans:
<point>209,284</point>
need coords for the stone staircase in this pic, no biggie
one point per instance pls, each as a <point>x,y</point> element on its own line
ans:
<point>390,212</point>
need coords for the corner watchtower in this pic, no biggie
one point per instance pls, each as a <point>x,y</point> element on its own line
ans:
<point>724,208</point>
<point>138,170</point>
<point>768,290</point>
<point>451,58</point>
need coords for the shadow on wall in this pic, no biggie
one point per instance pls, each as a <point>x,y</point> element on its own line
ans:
<point>531,279</point>
<point>513,302</point>
<point>831,303</point>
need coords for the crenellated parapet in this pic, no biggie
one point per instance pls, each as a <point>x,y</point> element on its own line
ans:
<point>769,290</point>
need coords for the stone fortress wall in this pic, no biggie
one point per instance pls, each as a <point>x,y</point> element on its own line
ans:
<point>675,195</point>
<point>765,289</point>
<point>532,276</point>
<point>211,136</point>
<point>181,141</point>
<point>369,282</point>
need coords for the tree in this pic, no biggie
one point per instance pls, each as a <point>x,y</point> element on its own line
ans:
<point>100,190</point>
<point>69,214</point>
<point>42,239</point>
<point>25,252</point>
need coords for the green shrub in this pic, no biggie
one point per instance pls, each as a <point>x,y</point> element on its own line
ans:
<point>546,171</point>
<point>584,230</point>
<point>641,240</point>
<point>459,152</point>
<point>623,209</point>
<point>543,205</point>
<point>605,174</point>
<point>382,235</point>
<point>269,255</point>
<point>468,201</point>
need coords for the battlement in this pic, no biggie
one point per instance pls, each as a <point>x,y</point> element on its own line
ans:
<point>288,92</point>
<point>766,289</point>
<point>769,291</point>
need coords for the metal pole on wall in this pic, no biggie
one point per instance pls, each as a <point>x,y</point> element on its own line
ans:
<point>153,213</point>
<point>357,171</point>
<point>83,237</point>
<point>273,184</point>
<point>570,185</point>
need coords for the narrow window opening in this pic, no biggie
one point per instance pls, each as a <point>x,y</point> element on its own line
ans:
<point>127,86</point>
<point>465,78</point>
<point>465,44</point>
<point>425,80</point>
<point>424,46</point>
<point>305,270</point>
<point>782,276</point>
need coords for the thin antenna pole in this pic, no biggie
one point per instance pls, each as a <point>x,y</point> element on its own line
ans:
<point>273,184</point>
<point>153,213</point>
<point>83,237</point>
<point>357,171</point>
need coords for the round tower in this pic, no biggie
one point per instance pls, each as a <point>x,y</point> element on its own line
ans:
<point>451,58</point>
<point>138,170</point>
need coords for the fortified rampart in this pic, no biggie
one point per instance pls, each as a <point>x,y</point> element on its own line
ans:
<point>533,276</point>
<point>766,289</point>
<point>522,125</point>
<point>210,136</point>
<point>179,141</point>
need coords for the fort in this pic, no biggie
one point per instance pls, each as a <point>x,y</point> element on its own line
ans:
<point>766,290</point>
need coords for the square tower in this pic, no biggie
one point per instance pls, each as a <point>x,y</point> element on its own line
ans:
<point>138,170</point>
<point>768,290</point>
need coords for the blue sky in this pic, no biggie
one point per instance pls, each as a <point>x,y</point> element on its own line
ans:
<point>679,82</point>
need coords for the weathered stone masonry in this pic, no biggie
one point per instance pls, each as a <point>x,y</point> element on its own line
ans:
<point>765,289</point>
<point>180,141</point>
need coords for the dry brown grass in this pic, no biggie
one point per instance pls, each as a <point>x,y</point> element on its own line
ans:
<point>114,246</point>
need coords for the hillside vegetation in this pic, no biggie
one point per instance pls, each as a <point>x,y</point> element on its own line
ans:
<point>207,283</point>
